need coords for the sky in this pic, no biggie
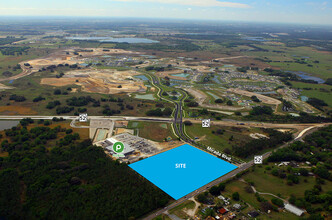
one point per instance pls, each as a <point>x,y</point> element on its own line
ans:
<point>284,11</point>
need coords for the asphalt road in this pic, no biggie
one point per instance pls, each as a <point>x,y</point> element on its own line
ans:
<point>19,117</point>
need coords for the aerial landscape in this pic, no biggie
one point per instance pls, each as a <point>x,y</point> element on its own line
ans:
<point>166,116</point>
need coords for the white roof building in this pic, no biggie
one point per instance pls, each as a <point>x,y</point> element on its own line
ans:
<point>111,141</point>
<point>294,209</point>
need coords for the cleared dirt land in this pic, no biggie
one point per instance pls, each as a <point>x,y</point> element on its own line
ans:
<point>106,81</point>
<point>170,75</point>
<point>200,97</point>
<point>263,98</point>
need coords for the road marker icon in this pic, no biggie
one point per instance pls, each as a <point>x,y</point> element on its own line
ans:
<point>206,123</point>
<point>118,148</point>
<point>83,117</point>
<point>258,160</point>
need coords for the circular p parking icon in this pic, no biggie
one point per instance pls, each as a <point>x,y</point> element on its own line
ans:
<point>118,147</point>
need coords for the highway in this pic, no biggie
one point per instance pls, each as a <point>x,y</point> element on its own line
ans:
<point>115,118</point>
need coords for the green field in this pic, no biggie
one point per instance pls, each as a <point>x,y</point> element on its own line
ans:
<point>162,217</point>
<point>267,183</point>
<point>178,210</point>
<point>219,141</point>
<point>8,62</point>
<point>322,69</point>
<point>249,201</point>
<point>319,91</point>
<point>152,130</point>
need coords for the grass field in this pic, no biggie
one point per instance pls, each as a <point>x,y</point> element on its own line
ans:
<point>266,182</point>
<point>152,130</point>
<point>219,141</point>
<point>251,201</point>
<point>319,91</point>
<point>322,69</point>
<point>178,210</point>
<point>8,62</point>
<point>162,217</point>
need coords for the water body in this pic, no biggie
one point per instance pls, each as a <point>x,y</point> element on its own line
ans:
<point>130,40</point>
<point>146,96</point>
<point>216,79</point>
<point>213,95</point>
<point>259,39</point>
<point>142,77</point>
<point>304,98</point>
<point>267,93</point>
<point>8,124</point>
<point>101,134</point>
<point>227,66</point>
<point>184,75</point>
<point>304,75</point>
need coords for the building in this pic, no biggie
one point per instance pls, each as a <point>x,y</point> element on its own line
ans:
<point>223,211</point>
<point>253,214</point>
<point>294,210</point>
<point>109,142</point>
<point>237,206</point>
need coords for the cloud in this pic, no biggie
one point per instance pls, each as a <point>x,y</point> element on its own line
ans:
<point>200,3</point>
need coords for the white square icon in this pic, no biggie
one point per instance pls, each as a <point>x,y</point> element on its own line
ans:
<point>83,117</point>
<point>206,123</point>
<point>258,160</point>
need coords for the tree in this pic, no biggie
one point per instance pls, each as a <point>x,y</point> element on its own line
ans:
<point>261,110</point>
<point>304,172</point>
<point>214,190</point>
<point>167,111</point>
<point>255,99</point>
<point>57,92</point>
<point>266,206</point>
<point>187,123</point>
<point>202,198</point>
<point>218,101</point>
<point>277,202</point>
<point>236,196</point>
<point>192,104</point>
<point>229,103</point>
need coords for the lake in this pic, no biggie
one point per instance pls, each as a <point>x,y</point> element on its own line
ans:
<point>8,124</point>
<point>130,40</point>
<point>304,75</point>
<point>259,39</point>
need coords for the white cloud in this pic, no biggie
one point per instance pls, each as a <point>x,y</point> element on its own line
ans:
<point>200,3</point>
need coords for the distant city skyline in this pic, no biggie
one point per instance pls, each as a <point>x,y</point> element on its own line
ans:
<point>283,11</point>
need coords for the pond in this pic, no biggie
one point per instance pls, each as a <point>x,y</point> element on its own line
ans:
<point>142,77</point>
<point>304,75</point>
<point>304,98</point>
<point>130,40</point>
<point>101,134</point>
<point>184,75</point>
<point>213,95</point>
<point>146,96</point>
<point>8,124</point>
